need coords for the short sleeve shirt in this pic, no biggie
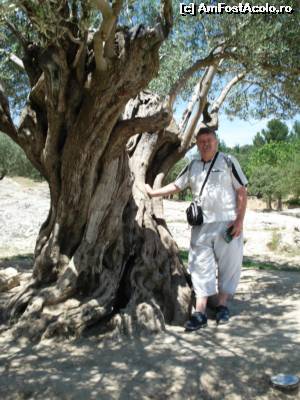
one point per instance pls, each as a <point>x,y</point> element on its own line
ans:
<point>218,200</point>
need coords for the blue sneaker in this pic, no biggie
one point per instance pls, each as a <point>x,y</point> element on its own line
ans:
<point>198,320</point>
<point>222,315</point>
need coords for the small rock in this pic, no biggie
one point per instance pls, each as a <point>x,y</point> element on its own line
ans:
<point>9,278</point>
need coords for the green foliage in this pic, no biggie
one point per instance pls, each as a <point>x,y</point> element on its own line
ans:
<point>263,182</point>
<point>258,140</point>
<point>292,177</point>
<point>14,161</point>
<point>295,133</point>
<point>272,169</point>
<point>172,175</point>
<point>242,154</point>
<point>294,202</point>
<point>274,154</point>
<point>272,163</point>
<point>175,170</point>
<point>277,131</point>
<point>265,45</point>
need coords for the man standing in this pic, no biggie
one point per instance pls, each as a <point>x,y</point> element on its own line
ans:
<point>215,254</point>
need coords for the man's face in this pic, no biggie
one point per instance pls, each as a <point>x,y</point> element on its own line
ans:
<point>207,145</point>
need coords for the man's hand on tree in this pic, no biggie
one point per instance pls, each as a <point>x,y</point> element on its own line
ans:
<point>149,189</point>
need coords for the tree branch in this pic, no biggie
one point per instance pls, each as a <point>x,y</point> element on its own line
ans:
<point>109,50</point>
<point>6,123</point>
<point>220,100</point>
<point>166,14</point>
<point>17,34</point>
<point>188,111</point>
<point>130,127</point>
<point>61,60</point>
<point>211,59</point>
<point>24,135</point>
<point>79,60</point>
<point>30,135</point>
<point>109,15</point>
<point>16,60</point>
<point>30,50</point>
<point>280,100</point>
<point>211,119</point>
<point>37,94</point>
<point>204,88</point>
<point>280,69</point>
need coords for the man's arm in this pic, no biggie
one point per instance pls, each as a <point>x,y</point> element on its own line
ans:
<point>241,210</point>
<point>163,191</point>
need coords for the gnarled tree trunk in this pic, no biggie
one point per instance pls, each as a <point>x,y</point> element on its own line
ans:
<point>104,254</point>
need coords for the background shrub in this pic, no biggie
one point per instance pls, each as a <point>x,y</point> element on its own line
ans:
<point>13,160</point>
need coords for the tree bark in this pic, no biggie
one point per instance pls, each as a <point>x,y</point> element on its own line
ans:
<point>269,203</point>
<point>279,203</point>
<point>104,254</point>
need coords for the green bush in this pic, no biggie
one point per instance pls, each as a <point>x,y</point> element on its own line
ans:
<point>14,161</point>
<point>294,202</point>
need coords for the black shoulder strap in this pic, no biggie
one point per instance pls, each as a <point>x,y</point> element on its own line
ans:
<point>208,172</point>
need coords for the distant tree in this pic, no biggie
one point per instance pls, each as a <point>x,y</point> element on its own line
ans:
<point>268,171</point>
<point>292,173</point>
<point>277,131</point>
<point>295,132</point>
<point>258,140</point>
<point>262,184</point>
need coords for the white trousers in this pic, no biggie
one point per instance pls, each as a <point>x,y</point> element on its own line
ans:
<point>214,265</point>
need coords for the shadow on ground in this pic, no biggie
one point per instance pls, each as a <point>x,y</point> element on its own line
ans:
<point>228,362</point>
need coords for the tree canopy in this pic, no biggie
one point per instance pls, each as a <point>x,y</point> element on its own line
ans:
<point>277,131</point>
<point>263,48</point>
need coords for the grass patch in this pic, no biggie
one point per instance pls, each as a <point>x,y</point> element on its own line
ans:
<point>184,255</point>
<point>275,241</point>
<point>269,266</point>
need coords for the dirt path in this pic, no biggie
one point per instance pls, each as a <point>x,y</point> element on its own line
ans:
<point>229,362</point>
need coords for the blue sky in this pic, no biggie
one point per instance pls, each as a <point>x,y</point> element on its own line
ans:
<point>242,132</point>
<point>236,131</point>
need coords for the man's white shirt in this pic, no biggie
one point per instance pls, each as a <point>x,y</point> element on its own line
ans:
<point>219,198</point>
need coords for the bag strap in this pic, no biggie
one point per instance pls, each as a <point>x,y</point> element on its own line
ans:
<point>208,172</point>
